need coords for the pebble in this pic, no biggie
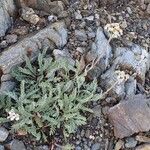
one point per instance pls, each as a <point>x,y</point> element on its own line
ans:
<point>78,15</point>
<point>3,44</point>
<point>96,146</point>
<point>129,10</point>
<point>90,18</point>
<point>3,134</point>
<point>80,35</point>
<point>43,147</point>
<point>130,142</point>
<point>17,145</point>
<point>1,147</point>
<point>11,38</point>
<point>119,145</point>
<point>78,148</point>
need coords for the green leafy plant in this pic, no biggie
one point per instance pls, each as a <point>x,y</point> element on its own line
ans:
<point>52,95</point>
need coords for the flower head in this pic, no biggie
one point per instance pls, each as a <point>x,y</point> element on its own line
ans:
<point>113,30</point>
<point>12,115</point>
<point>121,76</point>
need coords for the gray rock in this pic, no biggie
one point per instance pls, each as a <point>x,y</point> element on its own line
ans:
<point>130,116</point>
<point>11,38</point>
<point>14,55</point>
<point>2,147</point>
<point>96,146</point>
<point>108,80</point>
<point>130,143</point>
<point>7,10</point>
<point>17,145</point>
<point>43,147</point>
<point>78,148</point>
<point>134,58</point>
<point>78,15</point>
<point>80,35</point>
<point>102,49</point>
<point>3,44</point>
<point>3,134</point>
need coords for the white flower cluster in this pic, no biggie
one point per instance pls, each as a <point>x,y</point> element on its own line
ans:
<point>114,30</point>
<point>12,115</point>
<point>121,76</point>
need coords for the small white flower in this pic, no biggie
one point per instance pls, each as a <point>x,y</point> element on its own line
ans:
<point>13,116</point>
<point>121,76</point>
<point>113,30</point>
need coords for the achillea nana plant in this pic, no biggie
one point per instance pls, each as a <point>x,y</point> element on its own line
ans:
<point>51,95</point>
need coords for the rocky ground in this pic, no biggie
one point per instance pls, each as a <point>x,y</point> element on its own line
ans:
<point>75,30</point>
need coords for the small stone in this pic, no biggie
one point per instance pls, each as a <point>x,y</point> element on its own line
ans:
<point>96,146</point>
<point>3,134</point>
<point>78,15</point>
<point>130,143</point>
<point>144,139</point>
<point>21,30</point>
<point>11,38</point>
<point>52,18</point>
<point>129,10</point>
<point>17,145</point>
<point>90,18</point>
<point>81,35</point>
<point>124,24</point>
<point>119,145</point>
<point>148,8</point>
<point>43,147</point>
<point>3,44</point>
<point>143,147</point>
<point>78,148</point>
<point>2,147</point>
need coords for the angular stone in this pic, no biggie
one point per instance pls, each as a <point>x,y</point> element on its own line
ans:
<point>135,58</point>
<point>3,134</point>
<point>14,55</point>
<point>17,145</point>
<point>131,116</point>
<point>100,49</point>
<point>7,10</point>
<point>143,147</point>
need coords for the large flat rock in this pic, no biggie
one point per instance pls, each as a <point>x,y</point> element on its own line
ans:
<point>131,116</point>
<point>55,34</point>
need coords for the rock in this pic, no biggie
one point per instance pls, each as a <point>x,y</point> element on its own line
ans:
<point>148,8</point>
<point>52,7</point>
<point>144,139</point>
<point>11,38</point>
<point>3,134</point>
<point>17,145</point>
<point>21,30</point>
<point>59,54</point>
<point>90,18</point>
<point>130,116</point>
<point>96,146</point>
<point>81,35</point>
<point>3,44</point>
<point>97,112</point>
<point>135,58</point>
<point>29,15</point>
<point>7,10</point>
<point>2,147</point>
<point>130,143</point>
<point>78,15</point>
<point>43,147</point>
<point>102,49</point>
<point>119,145</point>
<point>143,147</point>
<point>14,55</point>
